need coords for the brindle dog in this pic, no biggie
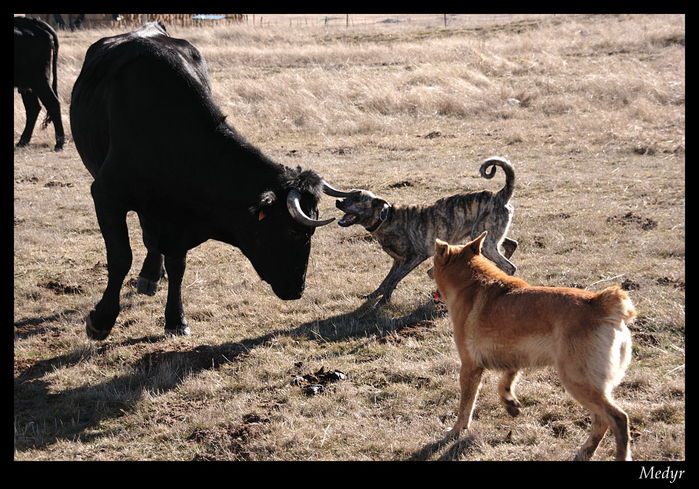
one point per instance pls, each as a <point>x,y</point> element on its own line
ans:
<point>407,232</point>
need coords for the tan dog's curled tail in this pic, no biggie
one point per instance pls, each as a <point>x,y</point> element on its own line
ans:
<point>488,171</point>
<point>617,304</point>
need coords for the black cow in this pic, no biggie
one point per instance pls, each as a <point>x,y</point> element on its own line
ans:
<point>147,129</point>
<point>36,57</point>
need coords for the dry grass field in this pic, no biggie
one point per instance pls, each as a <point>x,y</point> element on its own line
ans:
<point>590,109</point>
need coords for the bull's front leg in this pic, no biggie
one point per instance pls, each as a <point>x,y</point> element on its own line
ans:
<point>111,216</point>
<point>175,322</point>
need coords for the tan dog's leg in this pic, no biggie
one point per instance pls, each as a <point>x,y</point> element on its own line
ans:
<point>609,413</point>
<point>506,390</point>
<point>470,382</point>
<point>619,421</point>
<point>599,428</point>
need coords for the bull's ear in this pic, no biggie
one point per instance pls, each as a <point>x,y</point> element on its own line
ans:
<point>265,200</point>
<point>477,243</point>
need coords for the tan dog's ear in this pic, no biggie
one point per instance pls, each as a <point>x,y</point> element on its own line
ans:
<point>477,243</point>
<point>441,249</point>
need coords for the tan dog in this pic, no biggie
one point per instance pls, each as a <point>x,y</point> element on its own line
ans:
<point>500,322</point>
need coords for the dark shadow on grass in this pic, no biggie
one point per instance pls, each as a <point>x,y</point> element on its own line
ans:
<point>454,452</point>
<point>76,413</point>
<point>366,320</point>
<point>28,327</point>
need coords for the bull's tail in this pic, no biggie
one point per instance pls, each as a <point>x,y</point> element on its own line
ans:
<point>54,65</point>
<point>488,171</point>
<point>54,84</point>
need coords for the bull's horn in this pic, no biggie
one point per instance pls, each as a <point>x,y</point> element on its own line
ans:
<point>333,192</point>
<point>293,203</point>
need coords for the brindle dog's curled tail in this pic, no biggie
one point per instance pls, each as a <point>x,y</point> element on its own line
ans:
<point>488,171</point>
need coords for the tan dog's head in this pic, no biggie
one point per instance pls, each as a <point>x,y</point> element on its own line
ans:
<point>451,262</point>
<point>363,207</point>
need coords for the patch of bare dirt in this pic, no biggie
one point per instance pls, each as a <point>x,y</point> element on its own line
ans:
<point>633,219</point>
<point>60,288</point>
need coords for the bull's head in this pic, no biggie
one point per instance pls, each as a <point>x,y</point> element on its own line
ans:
<point>284,221</point>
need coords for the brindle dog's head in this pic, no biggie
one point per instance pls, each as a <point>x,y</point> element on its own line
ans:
<point>362,207</point>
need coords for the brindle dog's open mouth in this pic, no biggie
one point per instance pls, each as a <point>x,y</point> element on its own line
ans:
<point>348,220</point>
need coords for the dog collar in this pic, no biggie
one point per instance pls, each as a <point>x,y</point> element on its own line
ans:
<point>384,215</point>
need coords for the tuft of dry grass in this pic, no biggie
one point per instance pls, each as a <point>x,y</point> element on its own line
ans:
<point>590,109</point>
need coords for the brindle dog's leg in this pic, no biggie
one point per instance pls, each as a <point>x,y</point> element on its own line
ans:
<point>509,246</point>
<point>497,228</point>
<point>490,249</point>
<point>379,290</point>
<point>396,275</point>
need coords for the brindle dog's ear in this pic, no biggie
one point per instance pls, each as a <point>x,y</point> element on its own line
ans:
<point>477,243</point>
<point>380,205</point>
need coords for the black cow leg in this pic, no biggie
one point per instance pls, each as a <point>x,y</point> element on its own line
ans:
<point>112,222</point>
<point>32,108</point>
<point>175,322</point>
<point>50,100</point>
<point>151,273</point>
<point>153,269</point>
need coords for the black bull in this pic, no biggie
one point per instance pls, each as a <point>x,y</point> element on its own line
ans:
<point>147,129</point>
<point>35,76</point>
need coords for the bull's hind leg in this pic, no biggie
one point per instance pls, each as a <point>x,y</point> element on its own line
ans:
<point>53,107</point>
<point>111,216</point>
<point>506,390</point>
<point>32,107</point>
<point>175,322</point>
<point>153,267</point>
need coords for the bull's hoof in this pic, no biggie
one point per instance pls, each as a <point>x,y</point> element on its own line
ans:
<point>60,141</point>
<point>92,332</point>
<point>21,144</point>
<point>178,331</point>
<point>145,286</point>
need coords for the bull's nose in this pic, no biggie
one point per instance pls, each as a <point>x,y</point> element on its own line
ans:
<point>288,293</point>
